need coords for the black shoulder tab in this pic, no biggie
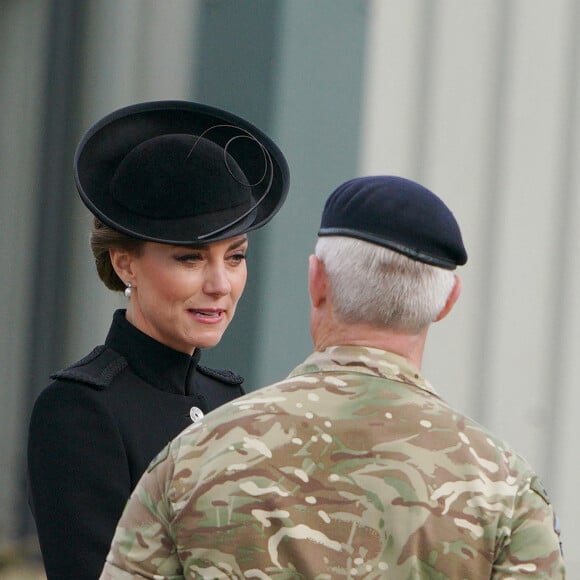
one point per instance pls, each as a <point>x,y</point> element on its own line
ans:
<point>98,368</point>
<point>223,375</point>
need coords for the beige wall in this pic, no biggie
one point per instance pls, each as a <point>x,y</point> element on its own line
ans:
<point>479,101</point>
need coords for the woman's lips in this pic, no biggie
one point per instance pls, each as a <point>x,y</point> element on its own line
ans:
<point>208,315</point>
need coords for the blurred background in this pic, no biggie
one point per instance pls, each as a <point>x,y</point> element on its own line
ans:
<point>476,100</point>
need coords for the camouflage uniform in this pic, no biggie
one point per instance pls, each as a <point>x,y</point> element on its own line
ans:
<point>353,467</point>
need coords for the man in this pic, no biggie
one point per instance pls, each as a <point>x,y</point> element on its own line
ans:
<point>353,466</point>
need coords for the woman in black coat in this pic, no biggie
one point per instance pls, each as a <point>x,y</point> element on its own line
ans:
<point>174,188</point>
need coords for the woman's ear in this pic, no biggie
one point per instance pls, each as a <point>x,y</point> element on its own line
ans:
<point>122,262</point>
<point>451,300</point>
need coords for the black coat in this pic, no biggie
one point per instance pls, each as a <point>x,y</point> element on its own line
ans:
<point>94,431</point>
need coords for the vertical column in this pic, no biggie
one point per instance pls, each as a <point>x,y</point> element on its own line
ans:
<point>295,69</point>
<point>563,339</point>
<point>237,65</point>
<point>317,122</point>
<point>50,275</point>
<point>22,46</point>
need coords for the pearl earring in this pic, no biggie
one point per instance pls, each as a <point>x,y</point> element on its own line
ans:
<point>128,290</point>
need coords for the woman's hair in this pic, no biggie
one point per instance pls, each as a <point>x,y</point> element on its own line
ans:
<point>104,238</point>
<point>377,286</point>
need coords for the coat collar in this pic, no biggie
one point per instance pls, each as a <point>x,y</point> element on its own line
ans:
<point>159,365</point>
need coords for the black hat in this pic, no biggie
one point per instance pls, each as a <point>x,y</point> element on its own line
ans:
<point>179,172</point>
<point>396,213</point>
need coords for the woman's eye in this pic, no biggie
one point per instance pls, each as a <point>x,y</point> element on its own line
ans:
<point>238,258</point>
<point>189,258</point>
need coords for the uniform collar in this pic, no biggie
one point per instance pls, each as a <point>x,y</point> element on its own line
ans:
<point>162,367</point>
<point>364,360</point>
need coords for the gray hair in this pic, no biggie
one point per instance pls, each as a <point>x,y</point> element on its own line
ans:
<point>380,287</point>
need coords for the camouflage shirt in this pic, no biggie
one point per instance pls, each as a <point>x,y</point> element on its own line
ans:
<point>353,467</point>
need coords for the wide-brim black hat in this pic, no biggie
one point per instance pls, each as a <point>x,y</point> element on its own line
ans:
<point>179,172</point>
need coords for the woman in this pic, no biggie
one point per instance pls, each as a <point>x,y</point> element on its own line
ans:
<point>174,188</point>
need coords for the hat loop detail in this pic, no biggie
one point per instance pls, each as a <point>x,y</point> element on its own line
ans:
<point>268,165</point>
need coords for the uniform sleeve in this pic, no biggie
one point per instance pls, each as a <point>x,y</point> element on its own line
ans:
<point>78,479</point>
<point>143,546</point>
<point>532,549</point>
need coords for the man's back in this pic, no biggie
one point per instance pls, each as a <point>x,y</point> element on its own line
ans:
<point>352,467</point>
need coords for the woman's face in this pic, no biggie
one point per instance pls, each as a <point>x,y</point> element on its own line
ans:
<point>185,297</point>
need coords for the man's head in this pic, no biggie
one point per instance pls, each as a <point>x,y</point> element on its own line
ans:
<point>386,250</point>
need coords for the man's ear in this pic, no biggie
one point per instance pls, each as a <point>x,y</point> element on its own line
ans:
<point>123,264</point>
<point>451,300</point>
<point>317,281</point>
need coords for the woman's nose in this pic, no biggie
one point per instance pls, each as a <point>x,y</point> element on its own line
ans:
<point>217,281</point>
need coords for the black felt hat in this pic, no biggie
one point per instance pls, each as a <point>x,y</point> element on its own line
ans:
<point>179,172</point>
<point>396,213</point>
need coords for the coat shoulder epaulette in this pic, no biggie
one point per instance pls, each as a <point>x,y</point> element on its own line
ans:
<point>97,369</point>
<point>223,375</point>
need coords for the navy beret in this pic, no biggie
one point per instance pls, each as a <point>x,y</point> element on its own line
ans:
<point>396,213</point>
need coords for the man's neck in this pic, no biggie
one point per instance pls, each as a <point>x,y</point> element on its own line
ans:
<point>409,346</point>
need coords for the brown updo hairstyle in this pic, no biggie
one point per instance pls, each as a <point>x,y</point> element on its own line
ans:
<point>103,239</point>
